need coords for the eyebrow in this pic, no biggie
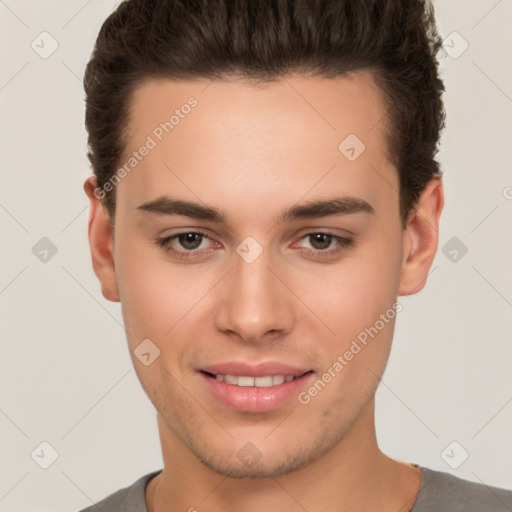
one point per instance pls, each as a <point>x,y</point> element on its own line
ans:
<point>309,210</point>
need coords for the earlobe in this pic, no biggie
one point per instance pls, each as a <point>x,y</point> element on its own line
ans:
<point>101,243</point>
<point>421,238</point>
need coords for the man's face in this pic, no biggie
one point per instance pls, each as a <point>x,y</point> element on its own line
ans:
<point>213,304</point>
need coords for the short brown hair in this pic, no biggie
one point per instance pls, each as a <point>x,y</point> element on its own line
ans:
<point>262,40</point>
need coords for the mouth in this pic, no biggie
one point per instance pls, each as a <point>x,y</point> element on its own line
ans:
<point>267,391</point>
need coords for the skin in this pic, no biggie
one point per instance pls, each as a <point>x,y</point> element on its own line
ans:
<point>252,152</point>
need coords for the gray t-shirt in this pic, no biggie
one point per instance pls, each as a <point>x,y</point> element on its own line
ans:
<point>439,492</point>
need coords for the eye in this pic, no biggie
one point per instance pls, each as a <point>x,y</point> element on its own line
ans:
<point>326,245</point>
<point>184,245</point>
<point>190,240</point>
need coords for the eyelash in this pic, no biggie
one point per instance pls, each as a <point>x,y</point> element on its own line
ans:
<point>343,244</point>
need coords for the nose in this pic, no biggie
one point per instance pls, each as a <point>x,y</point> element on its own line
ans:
<point>254,303</point>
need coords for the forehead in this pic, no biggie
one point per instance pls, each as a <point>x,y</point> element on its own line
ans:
<point>235,106</point>
<point>232,137</point>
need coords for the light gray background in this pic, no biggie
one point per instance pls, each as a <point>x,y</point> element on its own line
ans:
<point>65,373</point>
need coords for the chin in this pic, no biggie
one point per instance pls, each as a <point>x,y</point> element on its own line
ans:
<point>249,462</point>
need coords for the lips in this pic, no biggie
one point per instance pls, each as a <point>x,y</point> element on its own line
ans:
<point>255,388</point>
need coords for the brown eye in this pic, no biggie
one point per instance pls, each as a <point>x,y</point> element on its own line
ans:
<point>325,245</point>
<point>190,240</point>
<point>320,241</point>
<point>188,244</point>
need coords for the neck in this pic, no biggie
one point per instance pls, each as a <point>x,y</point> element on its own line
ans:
<point>355,475</point>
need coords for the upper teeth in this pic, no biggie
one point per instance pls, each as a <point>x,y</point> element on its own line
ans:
<point>260,382</point>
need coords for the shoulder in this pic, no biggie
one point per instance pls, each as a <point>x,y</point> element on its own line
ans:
<point>127,499</point>
<point>443,492</point>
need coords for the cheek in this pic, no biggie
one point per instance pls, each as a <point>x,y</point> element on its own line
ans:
<point>364,296</point>
<point>351,295</point>
<point>147,291</point>
<point>158,297</point>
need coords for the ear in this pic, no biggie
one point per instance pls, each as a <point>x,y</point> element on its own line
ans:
<point>101,241</point>
<point>421,236</point>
